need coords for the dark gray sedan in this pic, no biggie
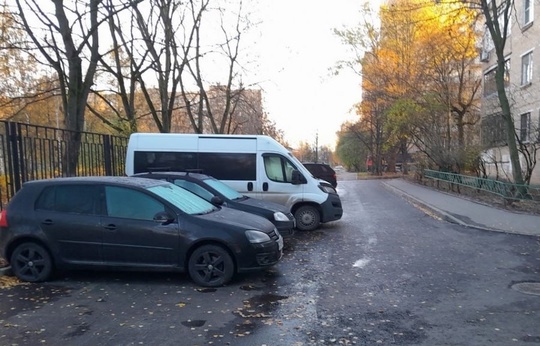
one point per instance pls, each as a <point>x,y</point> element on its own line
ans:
<point>130,224</point>
<point>219,193</point>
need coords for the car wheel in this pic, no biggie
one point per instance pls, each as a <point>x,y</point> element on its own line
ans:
<point>211,266</point>
<point>307,218</point>
<point>31,262</point>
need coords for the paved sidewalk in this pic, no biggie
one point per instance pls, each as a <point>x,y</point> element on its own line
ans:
<point>466,212</point>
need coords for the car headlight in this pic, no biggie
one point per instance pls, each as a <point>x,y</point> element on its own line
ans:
<point>257,237</point>
<point>279,216</point>
<point>327,188</point>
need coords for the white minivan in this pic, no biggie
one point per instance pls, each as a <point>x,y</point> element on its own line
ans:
<point>254,165</point>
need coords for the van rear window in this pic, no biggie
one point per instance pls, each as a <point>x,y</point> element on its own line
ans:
<point>222,166</point>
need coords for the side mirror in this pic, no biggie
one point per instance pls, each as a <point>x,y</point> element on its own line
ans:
<point>163,217</point>
<point>298,178</point>
<point>216,200</point>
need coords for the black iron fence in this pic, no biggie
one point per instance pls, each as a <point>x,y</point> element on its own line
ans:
<point>503,189</point>
<point>29,152</point>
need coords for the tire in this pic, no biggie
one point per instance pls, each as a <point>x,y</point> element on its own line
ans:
<point>211,266</point>
<point>31,262</point>
<point>307,218</point>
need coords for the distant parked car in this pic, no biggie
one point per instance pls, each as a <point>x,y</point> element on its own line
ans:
<point>132,224</point>
<point>219,193</point>
<point>322,171</point>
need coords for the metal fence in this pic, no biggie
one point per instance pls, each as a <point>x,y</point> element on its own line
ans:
<point>29,152</point>
<point>503,189</point>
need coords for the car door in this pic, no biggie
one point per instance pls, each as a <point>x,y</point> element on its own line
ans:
<point>69,217</point>
<point>131,237</point>
<point>276,181</point>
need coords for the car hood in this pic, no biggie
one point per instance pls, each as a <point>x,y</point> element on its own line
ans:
<point>259,203</point>
<point>240,219</point>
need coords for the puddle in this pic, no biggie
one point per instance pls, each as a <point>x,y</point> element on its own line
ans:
<point>259,306</point>
<point>194,323</point>
<point>527,287</point>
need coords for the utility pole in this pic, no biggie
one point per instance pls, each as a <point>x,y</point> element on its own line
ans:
<point>317,147</point>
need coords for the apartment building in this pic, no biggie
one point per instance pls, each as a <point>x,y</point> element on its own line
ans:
<point>523,88</point>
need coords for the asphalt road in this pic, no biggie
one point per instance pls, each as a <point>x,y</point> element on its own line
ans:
<point>386,274</point>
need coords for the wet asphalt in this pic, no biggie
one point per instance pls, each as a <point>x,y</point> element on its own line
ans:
<point>388,273</point>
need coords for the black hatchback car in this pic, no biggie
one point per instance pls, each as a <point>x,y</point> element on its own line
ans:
<point>322,171</point>
<point>219,193</point>
<point>132,224</point>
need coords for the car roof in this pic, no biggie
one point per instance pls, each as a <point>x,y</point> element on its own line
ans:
<point>120,180</point>
<point>315,164</point>
<point>318,166</point>
<point>198,176</point>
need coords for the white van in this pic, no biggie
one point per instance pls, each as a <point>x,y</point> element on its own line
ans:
<point>256,166</point>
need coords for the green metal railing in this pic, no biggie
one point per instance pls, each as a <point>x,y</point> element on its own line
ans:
<point>500,188</point>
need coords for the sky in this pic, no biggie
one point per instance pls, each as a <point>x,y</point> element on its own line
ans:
<point>298,48</point>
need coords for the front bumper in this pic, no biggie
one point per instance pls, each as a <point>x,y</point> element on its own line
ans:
<point>263,255</point>
<point>286,228</point>
<point>331,208</point>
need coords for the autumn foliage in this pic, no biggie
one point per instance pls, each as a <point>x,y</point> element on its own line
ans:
<point>420,81</point>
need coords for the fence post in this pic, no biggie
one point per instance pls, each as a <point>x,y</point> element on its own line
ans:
<point>107,157</point>
<point>15,162</point>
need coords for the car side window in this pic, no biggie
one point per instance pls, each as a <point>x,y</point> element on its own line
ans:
<point>78,199</point>
<point>132,204</point>
<point>195,188</point>
<point>278,168</point>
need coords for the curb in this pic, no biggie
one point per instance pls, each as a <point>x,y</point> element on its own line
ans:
<point>439,213</point>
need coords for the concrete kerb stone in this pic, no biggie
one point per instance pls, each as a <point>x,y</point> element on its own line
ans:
<point>439,213</point>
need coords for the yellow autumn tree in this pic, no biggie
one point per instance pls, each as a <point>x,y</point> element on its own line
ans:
<point>424,59</point>
<point>19,80</point>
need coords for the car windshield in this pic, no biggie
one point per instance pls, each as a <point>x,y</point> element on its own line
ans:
<point>224,189</point>
<point>184,200</point>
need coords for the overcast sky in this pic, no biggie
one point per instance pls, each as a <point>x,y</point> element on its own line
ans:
<point>298,47</point>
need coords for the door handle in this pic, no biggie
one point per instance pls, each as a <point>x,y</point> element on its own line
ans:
<point>110,227</point>
<point>265,186</point>
<point>250,186</point>
<point>47,222</point>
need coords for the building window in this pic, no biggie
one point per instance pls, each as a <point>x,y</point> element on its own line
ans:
<point>524,127</point>
<point>493,131</point>
<point>487,41</point>
<point>526,68</point>
<point>490,85</point>
<point>527,12</point>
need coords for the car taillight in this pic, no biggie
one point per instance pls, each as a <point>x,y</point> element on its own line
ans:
<point>3,219</point>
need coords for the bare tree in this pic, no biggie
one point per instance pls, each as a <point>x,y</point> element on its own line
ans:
<point>124,70</point>
<point>68,40</point>
<point>167,31</point>
<point>200,107</point>
<point>173,63</point>
<point>497,16</point>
